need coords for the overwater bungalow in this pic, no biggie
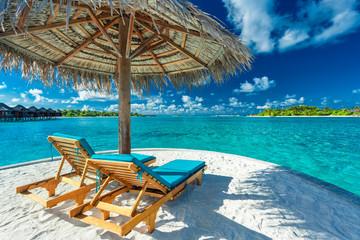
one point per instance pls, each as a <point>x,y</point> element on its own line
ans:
<point>43,113</point>
<point>6,112</point>
<point>21,113</point>
<point>34,112</point>
<point>51,113</point>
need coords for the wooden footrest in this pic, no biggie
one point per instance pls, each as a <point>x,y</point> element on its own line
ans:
<point>112,227</point>
<point>34,197</point>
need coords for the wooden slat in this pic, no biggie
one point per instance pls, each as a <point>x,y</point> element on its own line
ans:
<point>170,42</point>
<point>112,227</point>
<point>97,51</point>
<point>217,55</point>
<point>129,36</point>
<point>70,195</point>
<point>150,48</point>
<point>104,48</point>
<point>84,44</point>
<point>34,197</point>
<point>11,33</point>
<point>138,199</point>
<point>86,206</point>
<point>83,30</point>
<point>66,38</point>
<point>128,226</point>
<point>77,14</point>
<point>178,61</point>
<point>183,40</point>
<point>70,181</point>
<point>200,47</point>
<point>46,44</point>
<point>146,43</point>
<point>53,15</point>
<point>24,15</point>
<point>169,26</point>
<point>103,30</point>
<point>113,208</point>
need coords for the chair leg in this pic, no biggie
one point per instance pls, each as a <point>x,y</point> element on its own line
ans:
<point>199,179</point>
<point>106,214</point>
<point>150,221</point>
<point>79,199</point>
<point>51,186</point>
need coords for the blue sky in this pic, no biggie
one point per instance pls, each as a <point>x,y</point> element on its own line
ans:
<point>306,52</point>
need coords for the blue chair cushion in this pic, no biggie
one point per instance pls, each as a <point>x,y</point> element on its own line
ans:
<point>173,177</point>
<point>130,158</point>
<point>190,166</point>
<point>83,142</point>
<point>123,157</point>
<point>171,174</point>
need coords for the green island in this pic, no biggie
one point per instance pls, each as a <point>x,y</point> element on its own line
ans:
<point>303,110</point>
<point>89,113</point>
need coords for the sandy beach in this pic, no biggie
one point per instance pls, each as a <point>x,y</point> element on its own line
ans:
<point>240,198</point>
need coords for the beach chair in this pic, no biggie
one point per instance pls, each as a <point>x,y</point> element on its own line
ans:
<point>75,151</point>
<point>165,182</point>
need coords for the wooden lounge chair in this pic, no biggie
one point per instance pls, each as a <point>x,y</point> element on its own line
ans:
<point>166,182</point>
<point>75,151</point>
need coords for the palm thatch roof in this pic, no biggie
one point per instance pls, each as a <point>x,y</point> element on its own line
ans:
<point>75,42</point>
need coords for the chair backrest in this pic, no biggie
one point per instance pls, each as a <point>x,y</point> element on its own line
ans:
<point>131,172</point>
<point>74,149</point>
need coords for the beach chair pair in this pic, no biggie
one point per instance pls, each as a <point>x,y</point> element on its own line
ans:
<point>166,182</point>
<point>75,151</point>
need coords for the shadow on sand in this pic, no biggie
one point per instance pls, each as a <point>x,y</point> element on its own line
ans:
<point>191,216</point>
<point>281,201</point>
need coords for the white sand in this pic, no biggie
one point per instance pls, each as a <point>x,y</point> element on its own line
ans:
<point>240,198</point>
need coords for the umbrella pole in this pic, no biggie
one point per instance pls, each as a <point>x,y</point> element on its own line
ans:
<point>124,89</point>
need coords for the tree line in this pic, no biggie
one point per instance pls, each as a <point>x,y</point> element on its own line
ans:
<point>89,113</point>
<point>303,110</point>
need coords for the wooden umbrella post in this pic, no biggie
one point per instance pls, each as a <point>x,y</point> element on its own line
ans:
<point>124,86</point>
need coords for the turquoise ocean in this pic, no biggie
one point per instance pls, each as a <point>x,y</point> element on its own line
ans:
<point>327,148</point>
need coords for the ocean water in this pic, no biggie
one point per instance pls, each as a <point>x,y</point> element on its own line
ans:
<point>326,148</point>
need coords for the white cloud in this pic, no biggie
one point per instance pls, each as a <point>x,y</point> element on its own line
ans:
<point>212,94</point>
<point>255,20</point>
<point>87,95</point>
<point>290,96</point>
<point>337,101</point>
<point>264,28</point>
<point>234,102</point>
<point>112,108</point>
<point>192,105</point>
<point>292,37</point>
<point>286,102</point>
<point>356,91</point>
<point>199,99</point>
<point>186,98</point>
<point>260,84</point>
<point>324,101</point>
<point>65,101</point>
<point>16,99</point>
<point>3,85</point>
<point>37,93</point>
<point>87,108</point>
<point>62,90</point>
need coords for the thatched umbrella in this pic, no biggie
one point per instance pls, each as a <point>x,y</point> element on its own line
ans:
<point>131,43</point>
